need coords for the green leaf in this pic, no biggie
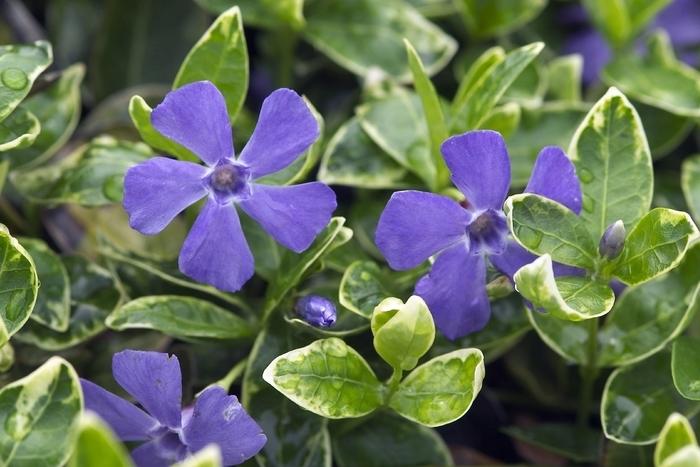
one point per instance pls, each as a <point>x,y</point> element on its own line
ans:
<point>96,444</point>
<point>676,434</point>
<point>545,226</point>
<point>662,82</point>
<point>655,245</point>
<point>569,441</point>
<point>624,455</point>
<point>685,367</point>
<point>690,182</point>
<point>58,110</point>
<point>20,65</point>
<point>647,317</point>
<point>277,414</point>
<point>263,13</point>
<point>477,73</point>
<point>19,285</point>
<point>569,339</point>
<point>432,110</point>
<point>184,317</point>
<point>18,130</point>
<point>490,18</point>
<point>471,107</point>
<point>52,307</point>
<point>611,18</point>
<point>140,113</point>
<point>612,159</point>
<point>220,56</point>
<point>347,33</point>
<point>529,87</point>
<point>209,456</point>
<point>396,123</point>
<point>7,357</point>
<point>504,119</point>
<point>38,413</point>
<point>638,399</point>
<point>565,78</point>
<point>571,298</point>
<point>387,439</point>
<point>93,297</point>
<point>328,378</point>
<point>93,175</point>
<point>294,266</point>
<point>665,131</point>
<point>352,158</point>
<point>553,122</point>
<point>440,390</point>
<point>361,288</point>
<point>508,323</point>
<point>403,333</point>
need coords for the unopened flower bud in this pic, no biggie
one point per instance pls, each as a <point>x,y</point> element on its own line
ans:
<point>316,310</point>
<point>613,240</point>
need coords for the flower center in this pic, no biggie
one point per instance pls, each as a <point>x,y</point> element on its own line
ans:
<point>488,232</point>
<point>228,181</point>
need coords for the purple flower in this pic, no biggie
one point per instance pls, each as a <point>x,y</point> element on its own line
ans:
<point>416,225</point>
<point>171,432</point>
<point>316,310</point>
<point>215,251</point>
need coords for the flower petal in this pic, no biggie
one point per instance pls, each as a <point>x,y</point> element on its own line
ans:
<point>286,128</point>
<point>195,117</point>
<point>595,51</point>
<point>220,418</point>
<point>478,161</point>
<point>293,215</point>
<point>415,225</point>
<point>150,455</point>
<point>455,292</point>
<point>127,421</point>
<point>554,177</point>
<point>154,380</point>
<point>157,190</point>
<point>215,251</point>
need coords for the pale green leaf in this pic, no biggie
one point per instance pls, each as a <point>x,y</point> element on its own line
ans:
<point>209,456</point>
<point>565,78</point>
<point>220,56</point>
<point>38,413</point>
<point>96,444</point>
<point>613,162</point>
<point>20,65</point>
<point>676,434</point>
<point>440,390</point>
<point>328,378</point>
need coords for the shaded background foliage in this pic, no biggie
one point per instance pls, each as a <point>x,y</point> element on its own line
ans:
<point>375,140</point>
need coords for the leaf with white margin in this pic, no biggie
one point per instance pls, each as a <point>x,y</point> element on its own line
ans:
<point>440,390</point>
<point>38,413</point>
<point>209,456</point>
<point>688,456</point>
<point>19,130</point>
<point>20,65</point>
<point>328,378</point>
<point>676,434</point>
<point>571,298</point>
<point>613,162</point>
<point>656,244</point>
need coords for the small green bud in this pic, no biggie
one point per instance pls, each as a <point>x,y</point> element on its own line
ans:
<point>403,332</point>
<point>613,240</point>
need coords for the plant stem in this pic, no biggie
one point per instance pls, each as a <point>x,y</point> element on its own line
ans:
<point>589,373</point>
<point>230,377</point>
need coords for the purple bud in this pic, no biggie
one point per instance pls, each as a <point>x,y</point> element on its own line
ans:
<point>613,240</point>
<point>316,310</point>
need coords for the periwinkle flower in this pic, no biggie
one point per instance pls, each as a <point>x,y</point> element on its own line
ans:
<point>612,241</point>
<point>215,251</point>
<point>171,432</point>
<point>316,310</point>
<point>416,225</point>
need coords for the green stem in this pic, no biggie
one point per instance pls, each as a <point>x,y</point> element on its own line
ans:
<point>230,377</point>
<point>589,374</point>
<point>392,383</point>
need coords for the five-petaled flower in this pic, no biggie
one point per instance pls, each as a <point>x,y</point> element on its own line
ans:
<point>172,433</point>
<point>215,251</point>
<point>416,225</point>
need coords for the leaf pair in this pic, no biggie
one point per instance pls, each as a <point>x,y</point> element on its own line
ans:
<point>333,380</point>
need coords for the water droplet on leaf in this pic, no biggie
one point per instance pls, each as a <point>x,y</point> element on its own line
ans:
<point>585,175</point>
<point>588,203</point>
<point>113,188</point>
<point>14,78</point>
